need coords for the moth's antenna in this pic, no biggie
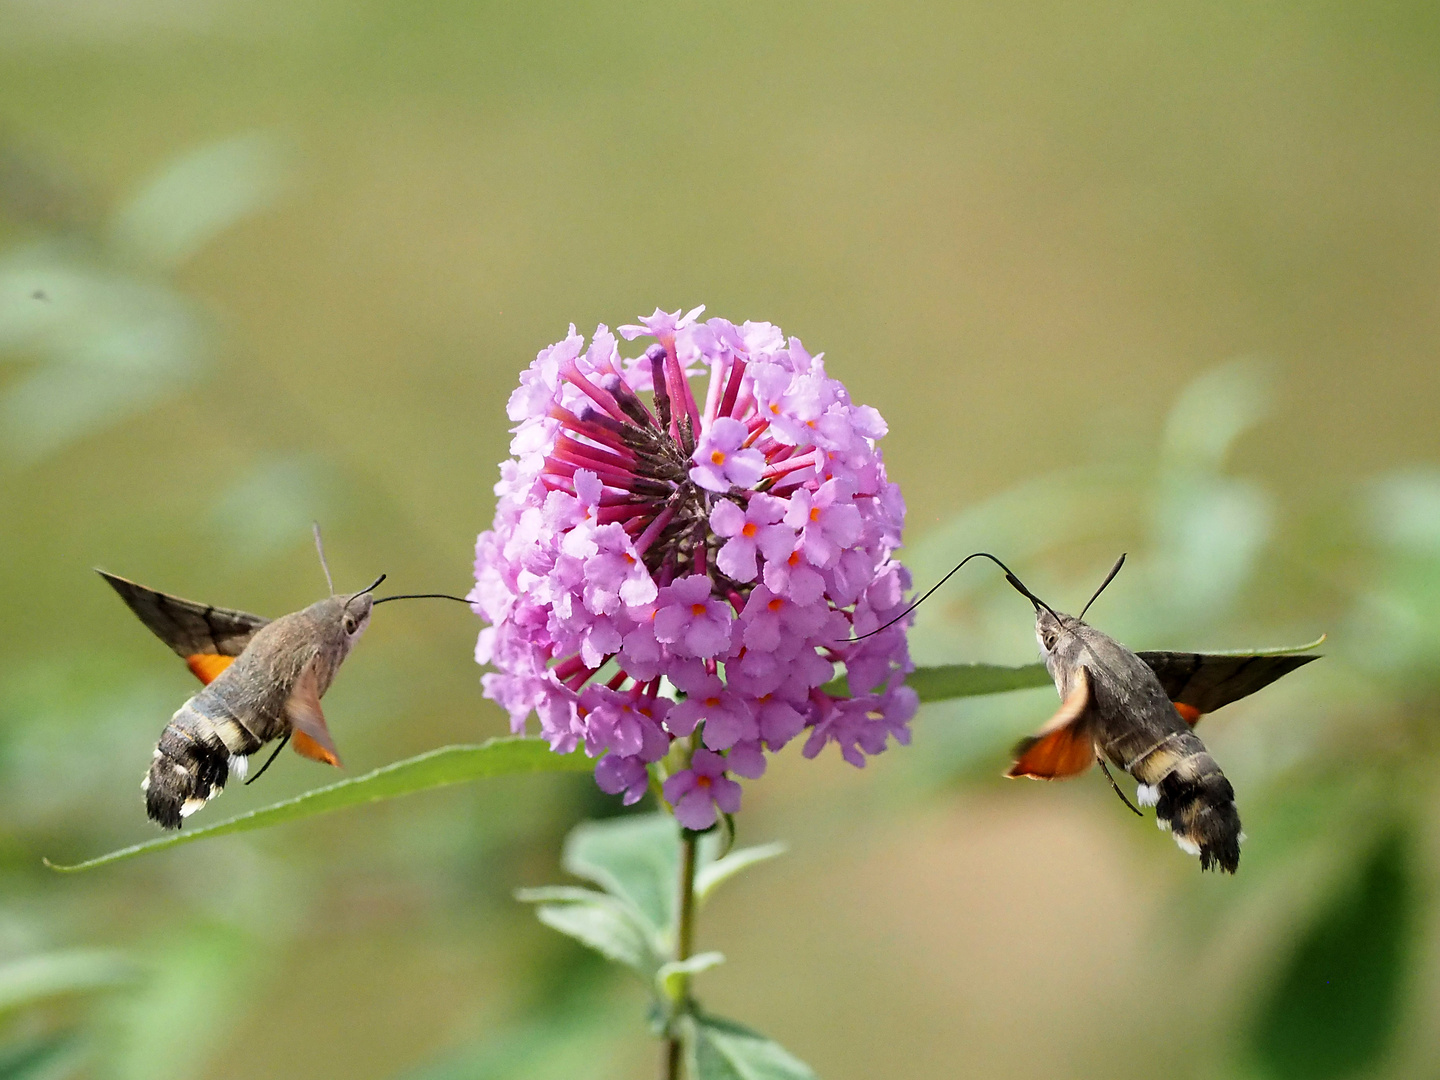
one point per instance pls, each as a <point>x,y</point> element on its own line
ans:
<point>1108,578</point>
<point>268,760</point>
<point>424,596</point>
<point>1009,576</point>
<point>1114,785</point>
<point>320,547</point>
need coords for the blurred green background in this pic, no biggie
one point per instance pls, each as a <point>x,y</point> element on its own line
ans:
<point>1148,277</point>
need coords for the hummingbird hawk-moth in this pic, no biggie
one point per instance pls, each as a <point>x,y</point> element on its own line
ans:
<point>1138,711</point>
<point>263,681</point>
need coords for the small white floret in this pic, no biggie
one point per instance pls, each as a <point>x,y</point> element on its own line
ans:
<point>1146,795</point>
<point>1186,844</point>
<point>190,806</point>
<point>239,765</point>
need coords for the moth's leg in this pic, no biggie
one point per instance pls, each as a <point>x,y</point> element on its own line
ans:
<point>1106,769</point>
<point>286,739</point>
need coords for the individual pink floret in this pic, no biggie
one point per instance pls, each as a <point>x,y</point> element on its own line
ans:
<point>697,792</point>
<point>748,533</point>
<point>722,461</point>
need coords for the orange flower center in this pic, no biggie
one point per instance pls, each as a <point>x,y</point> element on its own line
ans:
<point>697,609</point>
<point>750,529</point>
<point>776,604</point>
<point>718,457</point>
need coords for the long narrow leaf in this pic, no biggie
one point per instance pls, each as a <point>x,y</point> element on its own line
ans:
<point>947,681</point>
<point>437,768</point>
<point>1278,650</point>
<point>971,680</point>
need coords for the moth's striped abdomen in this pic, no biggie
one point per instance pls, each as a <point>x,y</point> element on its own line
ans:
<point>203,743</point>
<point>1192,798</point>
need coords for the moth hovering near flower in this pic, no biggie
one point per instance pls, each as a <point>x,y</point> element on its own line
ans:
<point>263,681</point>
<point>1138,711</point>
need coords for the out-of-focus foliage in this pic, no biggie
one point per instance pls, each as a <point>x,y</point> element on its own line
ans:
<point>93,311</point>
<point>1019,231</point>
<point>1335,1004</point>
<point>37,1046</point>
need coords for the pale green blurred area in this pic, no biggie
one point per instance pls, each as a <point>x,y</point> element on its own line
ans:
<point>1146,277</point>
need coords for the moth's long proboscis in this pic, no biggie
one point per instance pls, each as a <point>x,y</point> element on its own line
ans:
<point>423,596</point>
<point>1009,576</point>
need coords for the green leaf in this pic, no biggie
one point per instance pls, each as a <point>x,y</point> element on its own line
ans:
<point>1279,650</point>
<point>436,768</point>
<point>724,1050</point>
<point>605,923</point>
<point>57,974</point>
<point>635,858</point>
<point>1336,1003</point>
<point>52,1058</point>
<point>945,681</point>
<point>672,978</point>
<point>709,878</point>
<point>971,680</point>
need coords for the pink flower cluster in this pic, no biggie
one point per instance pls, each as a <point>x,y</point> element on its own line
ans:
<point>661,569</point>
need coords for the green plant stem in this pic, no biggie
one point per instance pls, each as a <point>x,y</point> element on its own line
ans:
<point>672,1068</point>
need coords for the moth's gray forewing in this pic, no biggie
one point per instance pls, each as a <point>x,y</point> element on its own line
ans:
<point>190,629</point>
<point>1206,682</point>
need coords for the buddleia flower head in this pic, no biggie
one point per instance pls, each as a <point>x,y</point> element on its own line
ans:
<point>664,567</point>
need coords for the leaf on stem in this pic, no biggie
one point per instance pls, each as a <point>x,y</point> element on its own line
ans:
<point>671,978</point>
<point>436,768</point>
<point>718,1049</point>
<point>607,924</point>
<point>711,876</point>
<point>636,859</point>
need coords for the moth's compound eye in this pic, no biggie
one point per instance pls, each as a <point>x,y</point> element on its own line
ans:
<point>1050,638</point>
<point>350,624</point>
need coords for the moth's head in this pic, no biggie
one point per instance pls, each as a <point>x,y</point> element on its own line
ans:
<point>345,616</point>
<point>1057,634</point>
<point>355,614</point>
<point>355,611</point>
<point>341,620</point>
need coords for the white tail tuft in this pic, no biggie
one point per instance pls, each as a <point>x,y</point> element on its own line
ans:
<point>1186,844</point>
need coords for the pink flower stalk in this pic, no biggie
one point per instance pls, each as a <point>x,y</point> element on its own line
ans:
<point>663,567</point>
